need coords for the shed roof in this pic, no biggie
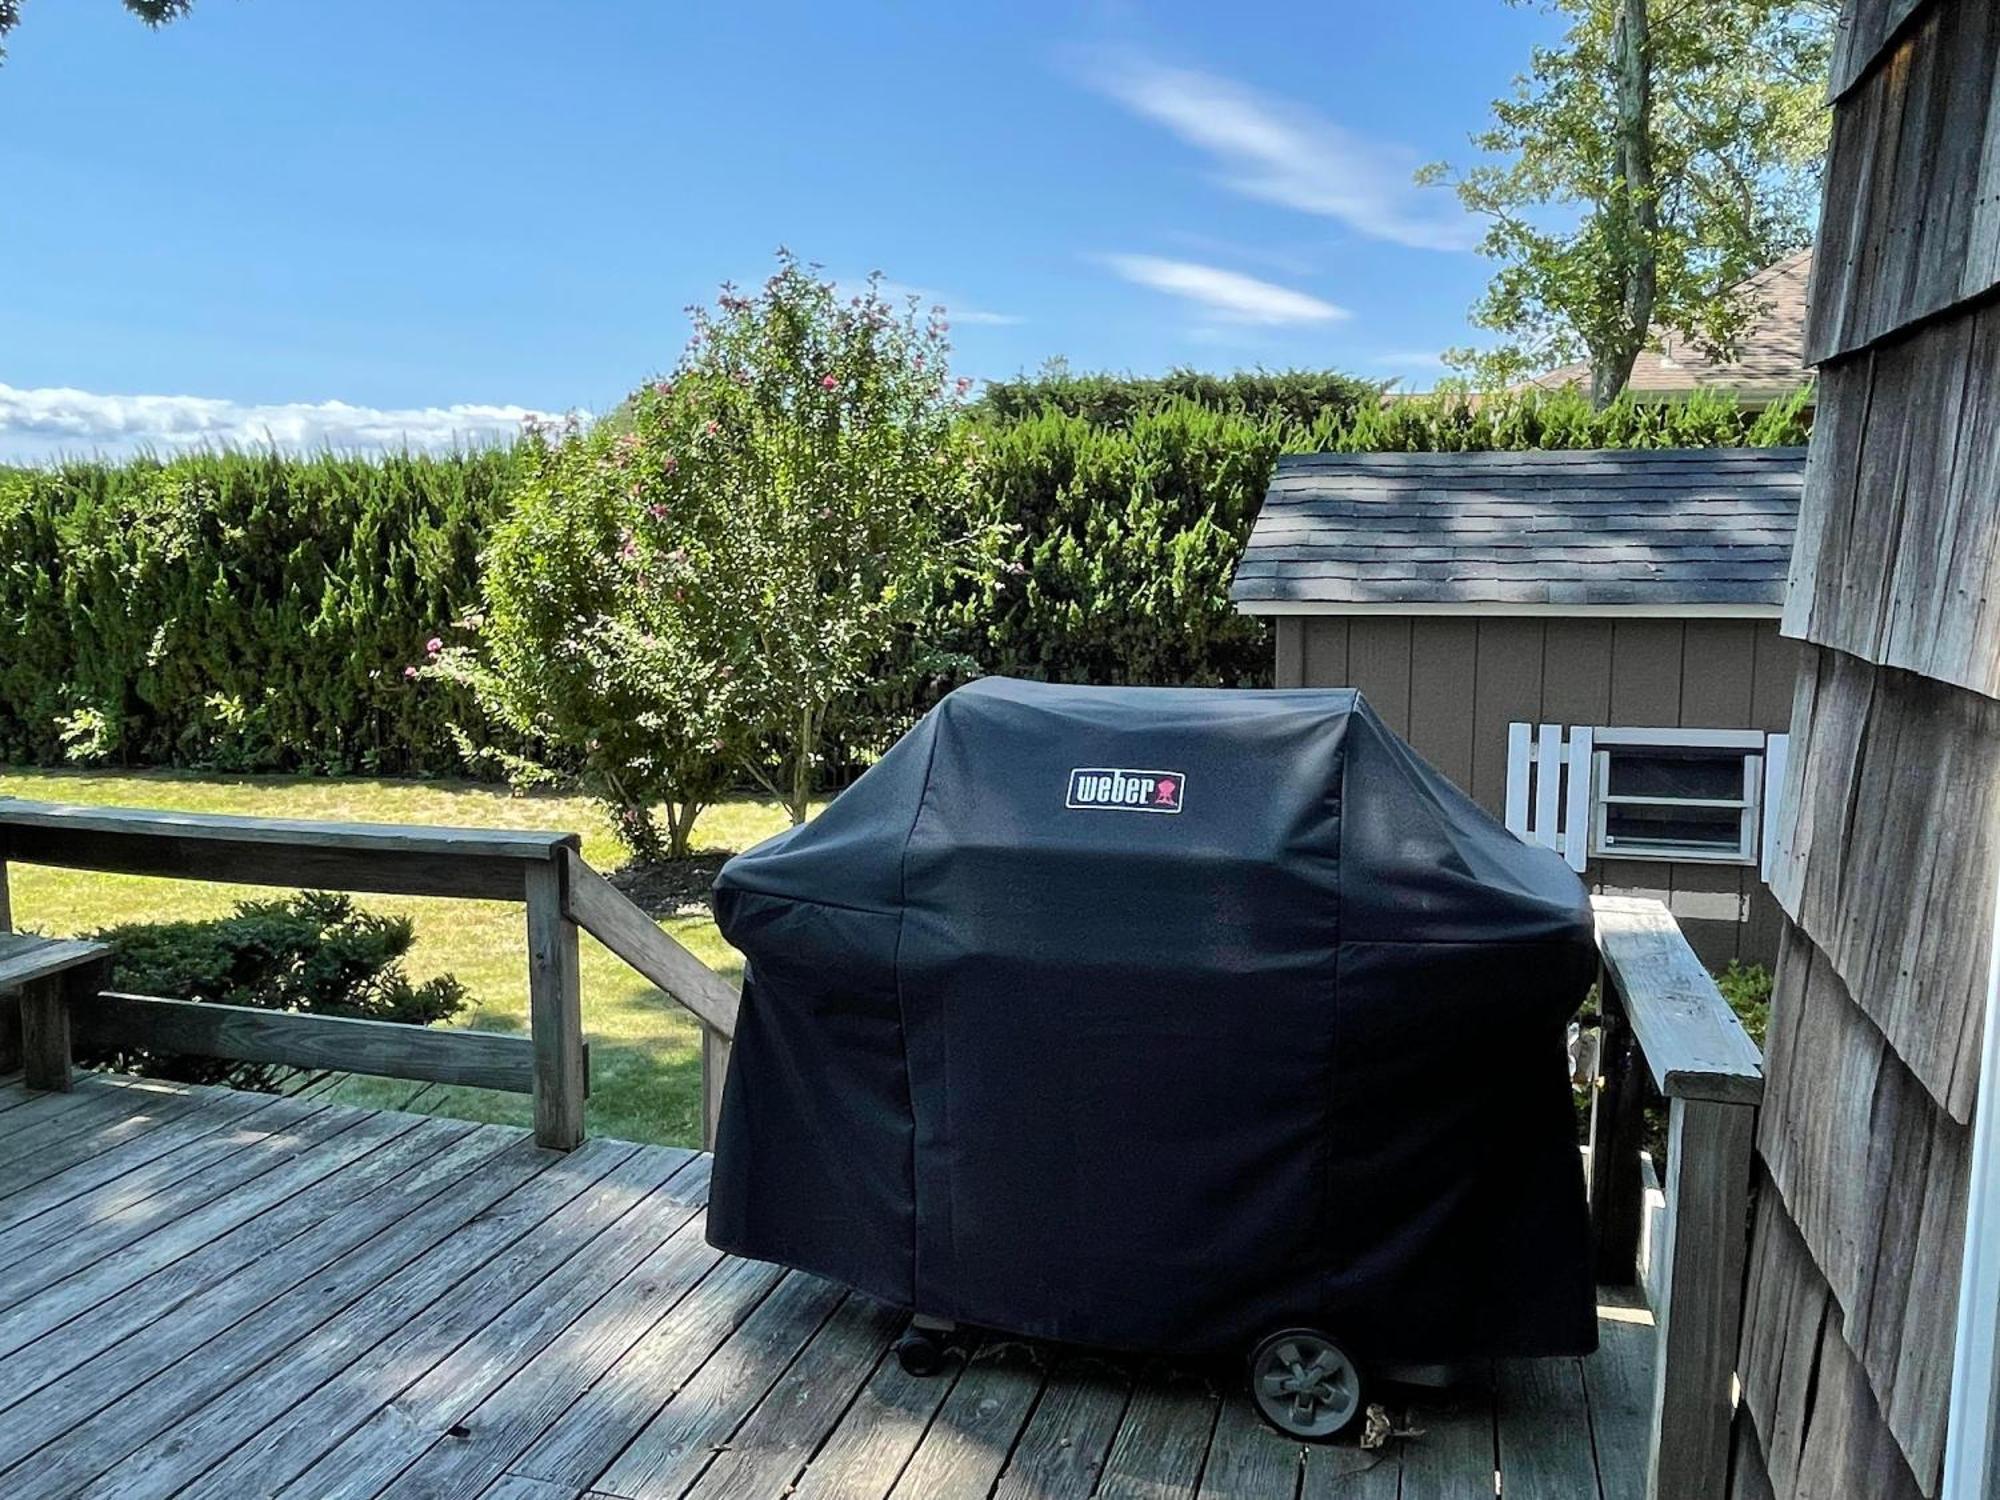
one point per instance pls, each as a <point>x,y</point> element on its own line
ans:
<point>1655,531</point>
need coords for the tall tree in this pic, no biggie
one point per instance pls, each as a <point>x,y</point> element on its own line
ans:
<point>1642,167</point>
<point>152,12</point>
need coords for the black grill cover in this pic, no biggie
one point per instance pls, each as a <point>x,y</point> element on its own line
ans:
<point>1032,1042</point>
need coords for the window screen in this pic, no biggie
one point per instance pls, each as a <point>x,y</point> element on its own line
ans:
<point>1677,802</point>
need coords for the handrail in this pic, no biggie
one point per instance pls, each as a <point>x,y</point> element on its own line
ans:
<point>618,922</point>
<point>1694,1046</point>
<point>393,858</point>
<point>543,870</point>
<point>1666,1023</point>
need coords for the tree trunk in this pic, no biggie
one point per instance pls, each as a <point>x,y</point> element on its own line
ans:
<point>681,816</point>
<point>802,763</point>
<point>1636,200</point>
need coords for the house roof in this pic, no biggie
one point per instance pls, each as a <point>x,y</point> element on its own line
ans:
<point>1770,359</point>
<point>1649,531</point>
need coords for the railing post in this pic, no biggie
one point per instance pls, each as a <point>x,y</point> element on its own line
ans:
<point>555,1009</point>
<point>714,1070</point>
<point>1705,1242</point>
<point>1617,1121</point>
<point>45,1020</point>
<point>45,1035</point>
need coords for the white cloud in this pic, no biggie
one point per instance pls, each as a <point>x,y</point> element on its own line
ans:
<point>1227,295</point>
<point>956,310</point>
<point>1282,153</point>
<point>51,421</point>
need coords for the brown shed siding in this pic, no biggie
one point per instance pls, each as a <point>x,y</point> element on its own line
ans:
<point>1451,685</point>
<point>1892,830</point>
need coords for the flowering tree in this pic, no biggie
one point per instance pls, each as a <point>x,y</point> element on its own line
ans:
<point>690,591</point>
<point>806,480</point>
<point>589,649</point>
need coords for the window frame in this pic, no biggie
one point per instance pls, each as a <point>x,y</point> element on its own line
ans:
<point>1749,807</point>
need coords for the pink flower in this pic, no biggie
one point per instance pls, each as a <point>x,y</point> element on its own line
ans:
<point>713,427</point>
<point>663,387</point>
<point>410,673</point>
<point>657,512</point>
<point>964,384</point>
<point>434,645</point>
<point>828,383</point>
<point>670,463</point>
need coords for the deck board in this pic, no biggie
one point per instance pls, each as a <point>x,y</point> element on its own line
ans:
<point>92,1190</point>
<point>206,1293</point>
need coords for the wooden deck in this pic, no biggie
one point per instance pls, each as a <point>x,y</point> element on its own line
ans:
<point>218,1294</point>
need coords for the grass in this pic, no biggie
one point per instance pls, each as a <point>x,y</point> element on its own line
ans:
<point>645,1051</point>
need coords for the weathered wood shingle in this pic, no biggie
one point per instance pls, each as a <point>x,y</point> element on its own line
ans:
<point>1663,528</point>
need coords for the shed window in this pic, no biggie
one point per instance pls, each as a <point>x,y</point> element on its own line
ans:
<point>1677,794</point>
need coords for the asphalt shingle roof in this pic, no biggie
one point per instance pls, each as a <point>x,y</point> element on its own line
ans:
<point>1770,359</point>
<point>1636,527</point>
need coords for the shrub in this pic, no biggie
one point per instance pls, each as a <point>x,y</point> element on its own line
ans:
<point>1118,567</point>
<point>588,653</point>
<point>1747,988</point>
<point>1297,396</point>
<point>703,585</point>
<point>242,611</point>
<point>313,953</point>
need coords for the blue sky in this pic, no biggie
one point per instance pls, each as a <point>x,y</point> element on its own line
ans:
<point>436,213</point>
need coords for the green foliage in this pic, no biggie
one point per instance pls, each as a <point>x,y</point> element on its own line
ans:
<point>709,582</point>
<point>1747,988</point>
<point>1642,167</point>
<point>312,953</point>
<point>1298,396</point>
<point>588,650</point>
<point>824,501</point>
<point>1458,422</point>
<point>1125,537</point>
<point>239,611</point>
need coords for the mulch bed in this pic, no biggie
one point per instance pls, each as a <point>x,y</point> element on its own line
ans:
<point>673,887</point>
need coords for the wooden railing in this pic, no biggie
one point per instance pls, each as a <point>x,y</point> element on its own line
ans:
<point>1669,1034</point>
<point>543,871</point>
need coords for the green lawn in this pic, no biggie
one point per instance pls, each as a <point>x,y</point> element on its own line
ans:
<point>645,1051</point>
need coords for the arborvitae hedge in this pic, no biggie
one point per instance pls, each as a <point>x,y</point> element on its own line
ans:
<point>1300,396</point>
<point>242,611</point>
<point>253,612</point>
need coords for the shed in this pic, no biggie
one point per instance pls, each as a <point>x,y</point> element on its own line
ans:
<point>1586,641</point>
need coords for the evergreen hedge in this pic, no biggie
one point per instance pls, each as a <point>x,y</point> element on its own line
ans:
<point>242,611</point>
<point>254,612</point>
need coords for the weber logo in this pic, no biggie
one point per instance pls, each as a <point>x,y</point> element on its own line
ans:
<point>1126,791</point>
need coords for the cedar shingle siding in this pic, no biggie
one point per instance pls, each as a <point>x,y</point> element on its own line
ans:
<point>1891,836</point>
